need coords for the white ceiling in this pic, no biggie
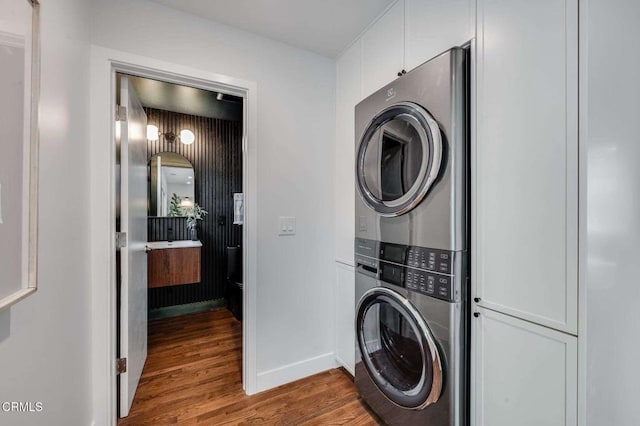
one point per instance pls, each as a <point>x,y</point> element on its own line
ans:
<point>322,26</point>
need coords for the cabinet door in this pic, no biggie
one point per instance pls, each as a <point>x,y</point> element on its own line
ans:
<point>383,50</point>
<point>345,316</point>
<point>524,374</point>
<point>348,94</point>
<point>434,26</point>
<point>525,230</point>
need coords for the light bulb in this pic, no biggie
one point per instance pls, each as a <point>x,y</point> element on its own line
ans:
<point>152,132</point>
<point>187,137</point>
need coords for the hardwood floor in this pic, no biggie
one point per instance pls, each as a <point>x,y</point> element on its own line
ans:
<point>193,376</point>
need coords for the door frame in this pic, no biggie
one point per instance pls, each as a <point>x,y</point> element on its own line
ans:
<point>104,64</point>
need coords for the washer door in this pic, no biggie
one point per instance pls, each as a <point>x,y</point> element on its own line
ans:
<point>398,349</point>
<point>398,159</point>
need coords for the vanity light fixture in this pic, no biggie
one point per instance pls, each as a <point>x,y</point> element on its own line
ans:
<point>186,136</point>
<point>152,132</point>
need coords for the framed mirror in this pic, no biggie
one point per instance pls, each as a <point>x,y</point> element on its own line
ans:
<point>19,95</point>
<point>171,185</point>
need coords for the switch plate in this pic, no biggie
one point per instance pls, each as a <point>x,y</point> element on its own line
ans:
<point>287,225</point>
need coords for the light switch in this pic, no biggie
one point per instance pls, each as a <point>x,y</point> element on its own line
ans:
<point>286,225</point>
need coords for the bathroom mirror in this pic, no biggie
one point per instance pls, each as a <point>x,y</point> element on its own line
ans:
<point>171,185</point>
<point>19,89</point>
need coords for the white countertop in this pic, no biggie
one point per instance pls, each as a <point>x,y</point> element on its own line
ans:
<point>161,245</point>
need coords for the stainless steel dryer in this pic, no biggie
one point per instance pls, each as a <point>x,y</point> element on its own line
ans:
<point>411,157</point>
<point>411,247</point>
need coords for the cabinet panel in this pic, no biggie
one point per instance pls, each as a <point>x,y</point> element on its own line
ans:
<point>383,50</point>
<point>525,240</point>
<point>348,94</point>
<point>174,266</point>
<point>345,316</point>
<point>434,26</point>
<point>525,374</point>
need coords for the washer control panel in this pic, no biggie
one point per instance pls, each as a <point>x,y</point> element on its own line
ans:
<point>439,286</point>
<point>420,269</point>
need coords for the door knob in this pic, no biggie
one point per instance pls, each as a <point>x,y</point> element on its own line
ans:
<point>476,299</point>
<point>476,314</point>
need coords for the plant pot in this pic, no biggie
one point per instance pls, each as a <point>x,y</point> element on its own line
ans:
<point>193,233</point>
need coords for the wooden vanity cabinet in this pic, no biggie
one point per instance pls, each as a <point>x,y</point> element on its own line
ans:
<point>174,266</point>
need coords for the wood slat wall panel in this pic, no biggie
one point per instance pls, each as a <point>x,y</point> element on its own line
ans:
<point>216,156</point>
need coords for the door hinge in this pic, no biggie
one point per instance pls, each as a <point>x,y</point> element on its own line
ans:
<point>121,239</point>
<point>121,365</point>
<point>121,113</point>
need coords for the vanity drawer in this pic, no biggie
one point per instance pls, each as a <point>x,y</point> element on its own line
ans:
<point>174,266</point>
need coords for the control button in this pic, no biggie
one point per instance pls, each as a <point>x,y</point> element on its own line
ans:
<point>443,267</point>
<point>431,284</point>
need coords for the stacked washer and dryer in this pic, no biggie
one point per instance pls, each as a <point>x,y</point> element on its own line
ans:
<point>412,246</point>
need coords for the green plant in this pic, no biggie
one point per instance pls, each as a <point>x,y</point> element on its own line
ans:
<point>174,206</point>
<point>194,214</point>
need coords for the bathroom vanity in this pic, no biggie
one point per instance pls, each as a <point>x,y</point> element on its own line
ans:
<point>173,263</point>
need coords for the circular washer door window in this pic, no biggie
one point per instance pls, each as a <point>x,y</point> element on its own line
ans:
<point>398,349</point>
<point>398,159</point>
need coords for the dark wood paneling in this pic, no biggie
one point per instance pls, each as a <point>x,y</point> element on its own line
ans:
<point>174,266</point>
<point>216,156</point>
<point>193,375</point>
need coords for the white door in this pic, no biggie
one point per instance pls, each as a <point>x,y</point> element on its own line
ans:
<point>526,175</point>
<point>133,208</point>
<point>525,374</point>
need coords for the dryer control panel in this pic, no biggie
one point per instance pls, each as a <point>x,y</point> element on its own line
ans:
<point>432,272</point>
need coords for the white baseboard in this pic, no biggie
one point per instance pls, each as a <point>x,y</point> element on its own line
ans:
<point>297,370</point>
<point>345,366</point>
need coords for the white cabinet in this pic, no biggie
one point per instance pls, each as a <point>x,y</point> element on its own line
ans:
<point>526,151</point>
<point>383,50</point>
<point>345,316</point>
<point>434,26</point>
<point>348,94</point>
<point>524,374</point>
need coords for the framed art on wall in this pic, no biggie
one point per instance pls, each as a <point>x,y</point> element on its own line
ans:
<point>19,96</point>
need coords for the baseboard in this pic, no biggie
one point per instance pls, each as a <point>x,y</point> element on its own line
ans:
<point>346,366</point>
<point>295,371</point>
<point>188,308</point>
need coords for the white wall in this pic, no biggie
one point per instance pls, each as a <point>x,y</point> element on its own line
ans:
<point>296,122</point>
<point>610,129</point>
<point>44,340</point>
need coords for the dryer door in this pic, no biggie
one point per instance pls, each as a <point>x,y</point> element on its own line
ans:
<point>398,349</point>
<point>398,159</point>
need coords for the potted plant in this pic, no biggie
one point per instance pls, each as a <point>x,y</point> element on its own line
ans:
<point>194,214</point>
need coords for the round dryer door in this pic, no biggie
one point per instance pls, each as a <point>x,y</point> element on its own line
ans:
<point>398,159</point>
<point>398,349</point>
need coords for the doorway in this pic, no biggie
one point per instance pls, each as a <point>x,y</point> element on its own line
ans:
<point>105,66</point>
<point>180,221</point>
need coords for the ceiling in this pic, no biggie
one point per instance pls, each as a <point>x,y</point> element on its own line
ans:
<point>186,100</point>
<point>178,175</point>
<point>322,26</point>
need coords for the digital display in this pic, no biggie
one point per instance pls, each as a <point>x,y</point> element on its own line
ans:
<point>391,274</point>
<point>393,253</point>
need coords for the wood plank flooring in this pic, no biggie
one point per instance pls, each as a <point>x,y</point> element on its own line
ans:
<point>193,376</point>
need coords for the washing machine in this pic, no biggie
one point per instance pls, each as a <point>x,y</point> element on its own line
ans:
<point>411,247</point>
